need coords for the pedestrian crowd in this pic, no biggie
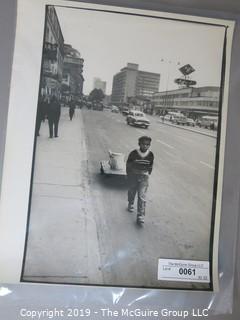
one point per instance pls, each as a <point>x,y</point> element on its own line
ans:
<point>49,108</point>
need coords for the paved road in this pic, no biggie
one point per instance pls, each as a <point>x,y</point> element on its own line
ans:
<point>111,248</point>
<point>179,202</point>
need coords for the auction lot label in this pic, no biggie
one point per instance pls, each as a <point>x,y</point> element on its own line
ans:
<point>183,270</point>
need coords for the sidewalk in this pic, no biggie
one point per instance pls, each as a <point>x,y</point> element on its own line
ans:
<point>62,244</point>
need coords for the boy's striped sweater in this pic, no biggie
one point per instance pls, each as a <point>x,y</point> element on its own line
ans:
<point>138,163</point>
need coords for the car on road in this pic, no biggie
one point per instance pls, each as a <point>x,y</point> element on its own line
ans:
<point>115,109</point>
<point>178,118</point>
<point>167,117</point>
<point>107,108</point>
<point>137,118</point>
<point>97,106</point>
<point>209,122</point>
<point>125,111</point>
<point>190,122</point>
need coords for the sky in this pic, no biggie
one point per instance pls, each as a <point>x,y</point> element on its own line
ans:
<point>108,41</point>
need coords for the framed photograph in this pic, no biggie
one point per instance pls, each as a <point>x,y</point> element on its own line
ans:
<point>115,144</point>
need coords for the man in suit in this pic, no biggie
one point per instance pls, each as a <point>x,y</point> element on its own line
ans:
<point>54,112</point>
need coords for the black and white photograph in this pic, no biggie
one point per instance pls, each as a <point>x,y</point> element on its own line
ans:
<point>128,141</point>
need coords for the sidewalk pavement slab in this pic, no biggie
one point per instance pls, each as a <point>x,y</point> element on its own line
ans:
<point>62,241</point>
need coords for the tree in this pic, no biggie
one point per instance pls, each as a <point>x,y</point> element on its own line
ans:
<point>96,95</point>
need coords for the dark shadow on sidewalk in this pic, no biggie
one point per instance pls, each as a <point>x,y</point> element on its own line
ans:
<point>111,181</point>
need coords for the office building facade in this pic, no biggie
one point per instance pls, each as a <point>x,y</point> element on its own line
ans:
<point>132,83</point>
<point>194,102</point>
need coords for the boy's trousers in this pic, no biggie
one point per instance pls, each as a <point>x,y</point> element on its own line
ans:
<point>138,184</point>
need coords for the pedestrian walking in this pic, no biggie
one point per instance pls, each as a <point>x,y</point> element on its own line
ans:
<point>41,113</point>
<point>71,109</point>
<point>54,112</point>
<point>139,166</point>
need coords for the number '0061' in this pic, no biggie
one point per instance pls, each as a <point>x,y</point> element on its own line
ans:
<point>187,271</point>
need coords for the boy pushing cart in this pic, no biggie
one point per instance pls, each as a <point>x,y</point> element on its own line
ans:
<point>139,166</point>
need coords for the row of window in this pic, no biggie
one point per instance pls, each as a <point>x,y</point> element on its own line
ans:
<point>144,92</point>
<point>146,80</point>
<point>188,103</point>
<point>148,76</point>
<point>146,88</point>
<point>173,96</point>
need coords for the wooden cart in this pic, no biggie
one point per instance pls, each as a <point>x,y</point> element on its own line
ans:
<point>113,166</point>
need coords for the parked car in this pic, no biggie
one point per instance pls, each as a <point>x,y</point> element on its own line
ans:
<point>137,118</point>
<point>167,117</point>
<point>115,109</point>
<point>97,106</point>
<point>179,118</point>
<point>209,122</point>
<point>125,111</point>
<point>107,108</point>
<point>190,122</point>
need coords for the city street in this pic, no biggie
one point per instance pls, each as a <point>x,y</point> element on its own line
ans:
<point>80,230</point>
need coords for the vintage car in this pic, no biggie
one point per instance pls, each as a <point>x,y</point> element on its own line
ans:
<point>179,118</point>
<point>190,122</point>
<point>137,118</point>
<point>115,109</point>
<point>125,111</point>
<point>208,122</point>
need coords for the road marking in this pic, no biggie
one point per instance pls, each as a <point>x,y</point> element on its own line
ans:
<point>165,144</point>
<point>169,153</point>
<point>207,165</point>
<point>185,139</point>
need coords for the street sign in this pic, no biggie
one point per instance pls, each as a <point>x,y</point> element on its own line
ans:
<point>185,82</point>
<point>186,69</point>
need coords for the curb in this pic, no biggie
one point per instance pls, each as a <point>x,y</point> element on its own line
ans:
<point>188,129</point>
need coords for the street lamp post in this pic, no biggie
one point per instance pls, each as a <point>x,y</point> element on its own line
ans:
<point>169,64</point>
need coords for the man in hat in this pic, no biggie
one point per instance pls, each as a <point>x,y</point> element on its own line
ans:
<point>139,167</point>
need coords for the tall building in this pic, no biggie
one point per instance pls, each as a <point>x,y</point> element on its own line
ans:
<point>53,53</point>
<point>193,102</point>
<point>72,82</point>
<point>99,84</point>
<point>133,83</point>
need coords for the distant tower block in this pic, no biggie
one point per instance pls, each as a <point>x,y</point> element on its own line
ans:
<point>99,84</point>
